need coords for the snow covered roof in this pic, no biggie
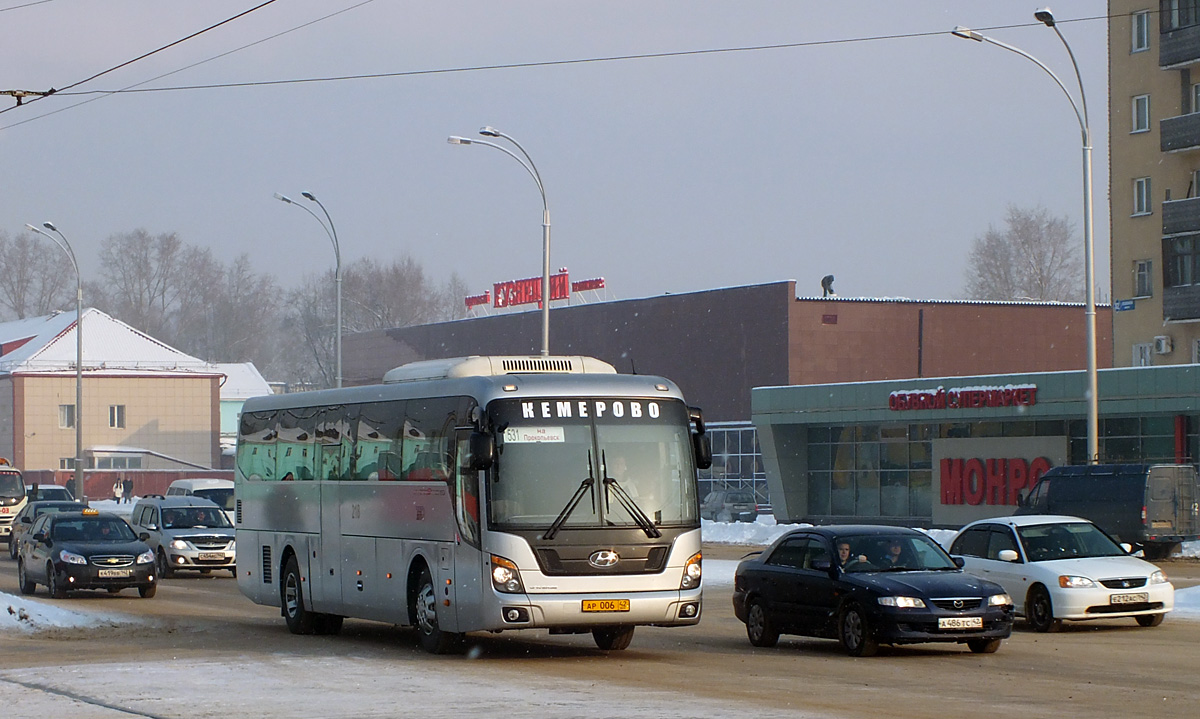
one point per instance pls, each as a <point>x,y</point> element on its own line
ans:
<point>242,381</point>
<point>47,344</point>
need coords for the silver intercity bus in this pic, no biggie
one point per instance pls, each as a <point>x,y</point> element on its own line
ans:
<point>475,494</point>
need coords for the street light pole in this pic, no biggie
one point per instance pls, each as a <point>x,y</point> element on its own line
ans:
<point>527,163</point>
<point>65,246</point>
<point>1092,393</point>
<point>337,273</point>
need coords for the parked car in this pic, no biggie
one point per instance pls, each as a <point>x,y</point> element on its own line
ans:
<point>210,488</point>
<point>58,492</point>
<point>726,505</point>
<point>1058,568</point>
<point>84,550</point>
<point>1154,507</point>
<point>25,518</point>
<point>895,586</point>
<point>186,533</point>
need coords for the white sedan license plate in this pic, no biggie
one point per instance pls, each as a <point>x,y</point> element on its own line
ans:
<point>960,622</point>
<point>114,572</point>
<point>606,605</point>
<point>211,556</point>
<point>1135,598</point>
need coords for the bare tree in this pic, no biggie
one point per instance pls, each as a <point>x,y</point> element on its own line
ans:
<point>36,277</point>
<point>1035,257</point>
<point>142,279</point>
<point>233,316</point>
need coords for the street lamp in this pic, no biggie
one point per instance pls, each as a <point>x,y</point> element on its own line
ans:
<point>61,241</point>
<point>337,273</point>
<point>1092,393</point>
<point>527,163</point>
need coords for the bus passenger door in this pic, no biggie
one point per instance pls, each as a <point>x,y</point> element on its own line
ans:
<point>470,564</point>
<point>326,588</point>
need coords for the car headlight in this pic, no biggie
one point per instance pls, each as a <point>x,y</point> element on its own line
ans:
<point>903,602</point>
<point>1067,581</point>
<point>71,557</point>
<point>178,544</point>
<point>505,576</point>
<point>692,571</point>
<point>999,600</point>
<point>146,557</point>
<point>1159,577</point>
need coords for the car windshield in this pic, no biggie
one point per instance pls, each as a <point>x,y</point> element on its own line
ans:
<point>222,497</point>
<point>92,529</point>
<point>193,518</point>
<point>891,553</point>
<point>1073,540</point>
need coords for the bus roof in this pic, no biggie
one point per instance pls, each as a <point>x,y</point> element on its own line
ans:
<point>483,366</point>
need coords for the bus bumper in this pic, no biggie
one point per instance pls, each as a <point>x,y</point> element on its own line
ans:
<point>585,611</point>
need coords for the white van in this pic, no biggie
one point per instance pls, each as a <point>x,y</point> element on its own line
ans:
<point>215,490</point>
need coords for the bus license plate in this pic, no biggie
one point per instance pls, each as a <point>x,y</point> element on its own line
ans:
<point>1136,598</point>
<point>960,622</point>
<point>606,605</point>
<point>114,572</point>
<point>211,556</point>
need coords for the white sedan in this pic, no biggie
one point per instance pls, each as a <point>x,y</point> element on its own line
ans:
<point>1057,568</point>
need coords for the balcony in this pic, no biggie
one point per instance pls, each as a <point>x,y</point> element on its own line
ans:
<point>1179,133</point>
<point>1180,216</point>
<point>1179,47</point>
<point>1181,303</point>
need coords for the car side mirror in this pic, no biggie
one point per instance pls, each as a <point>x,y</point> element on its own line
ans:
<point>39,537</point>
<point>26,520</point>
<point>1023,500</point>
<point>1008,555</point>
<point>1127,547</point>
<point>144,536</point>
<point>959,562</point>
<point>152,527</point>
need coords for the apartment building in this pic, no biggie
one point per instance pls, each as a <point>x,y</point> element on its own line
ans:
<point>1154,141</point>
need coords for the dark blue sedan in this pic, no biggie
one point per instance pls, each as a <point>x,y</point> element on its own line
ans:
<point>84,550</point>
<point>865,586</point>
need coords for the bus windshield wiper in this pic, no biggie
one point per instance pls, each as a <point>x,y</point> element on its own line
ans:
<point>631,506</point>
<point>584,486</point>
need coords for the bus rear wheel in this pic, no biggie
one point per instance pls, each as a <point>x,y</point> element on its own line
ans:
<point>299,620</point>
<point>423,613</point>
<point>613,638</point>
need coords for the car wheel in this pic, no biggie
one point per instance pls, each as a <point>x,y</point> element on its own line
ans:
<point>984,646</point>
<point>613,638</point>
<point>147,591</point>
<point>164,567</point>
<point>422,612</point>
<point>299,620</point>
<point>854,629</point>
<point>1149,620</point>
<point>759,629</point>
<point>28,586</point>
<point>1039,611</point>
<point>56,589</point>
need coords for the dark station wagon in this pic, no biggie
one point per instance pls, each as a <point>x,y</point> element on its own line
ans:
<point>865,586</point>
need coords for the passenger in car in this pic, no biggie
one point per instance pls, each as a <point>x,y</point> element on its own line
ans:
<point>894,556</point>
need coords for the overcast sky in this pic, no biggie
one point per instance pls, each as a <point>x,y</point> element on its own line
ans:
<point>875,148</point>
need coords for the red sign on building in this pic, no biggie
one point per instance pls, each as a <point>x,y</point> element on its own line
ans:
<point>978,481</point>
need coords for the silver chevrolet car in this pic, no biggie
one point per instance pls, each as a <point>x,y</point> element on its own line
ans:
<point>189,533</point>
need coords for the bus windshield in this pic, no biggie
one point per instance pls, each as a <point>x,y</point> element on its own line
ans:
<point>636,453</point>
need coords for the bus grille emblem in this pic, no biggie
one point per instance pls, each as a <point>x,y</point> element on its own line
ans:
<point>604,558</point>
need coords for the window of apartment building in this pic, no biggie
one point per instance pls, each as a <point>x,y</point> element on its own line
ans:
<point>1141,196</point>
<point>1143,354</point>
<point>1141,31</point>
<point>1177,14</point>
<point>1195,351</point>
<point>1182,261</point>
<point>1195,101</point>
<point>66,463</point>
<point>1141,113</point>
<point>1143,284</point>
<point>116,416</point>
<point>66,416</point>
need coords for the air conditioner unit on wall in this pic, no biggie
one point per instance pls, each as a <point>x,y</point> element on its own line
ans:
<point>1162,345</point>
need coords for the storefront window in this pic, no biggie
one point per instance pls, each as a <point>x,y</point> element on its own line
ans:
<point>841,496</point>
<point>818,493</point>
<point>920,494</point>
<point>866,491</point>
<point>893,493</point>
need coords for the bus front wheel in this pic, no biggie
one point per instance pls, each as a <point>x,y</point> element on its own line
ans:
<point>423,613</point>
<point>613,638</point>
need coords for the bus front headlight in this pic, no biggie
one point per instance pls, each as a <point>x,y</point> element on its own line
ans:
<point>505,576</point>
<point>691,572</point>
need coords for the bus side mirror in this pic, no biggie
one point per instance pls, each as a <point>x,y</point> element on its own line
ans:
<point>703,451</point>
<point>483,450</point>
